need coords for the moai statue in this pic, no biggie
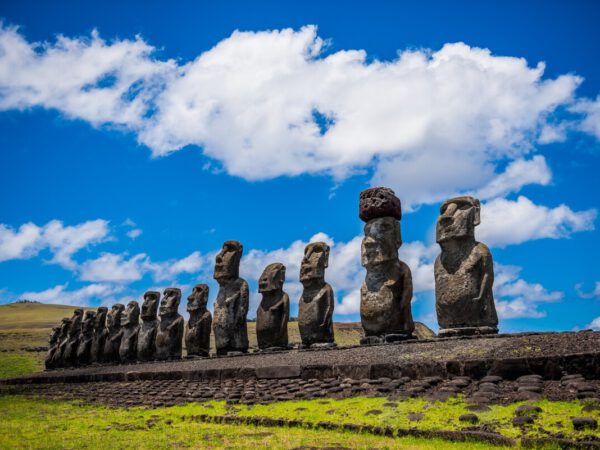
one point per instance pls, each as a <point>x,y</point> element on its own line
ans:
<point>231,305</point>
<point>169,334</point>
<point>386,294</point>
<point>130,325</point>
<point>197,337</point>
<point>273,312</point>
<point>53,344</point>
<point>100,333</point>
<point>63,339</point>
<point>86,339</point>
<point>70,351</point>
<point>464,272</point>
<point>113,336</point>
<point>146,344</point>
<point>315,310</point>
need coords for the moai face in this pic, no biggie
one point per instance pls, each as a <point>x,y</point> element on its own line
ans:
<point>100,318</point>
<point>272,278</point>
<point>88,322</point>
<point>64,327</point>
<point>170,302</point>
<point>381,242</point>
<point>150,305</point>
<point>458,218</point>
<point>113,318</point>
<point>54,335</point>
<point>227,262</point>
<point>131,315</point>
<point>315,261</point>
<point>76,322</point>
<point>198,298</point>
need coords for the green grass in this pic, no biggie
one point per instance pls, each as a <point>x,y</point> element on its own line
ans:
<point>27,423</point>
<point>16,364</point>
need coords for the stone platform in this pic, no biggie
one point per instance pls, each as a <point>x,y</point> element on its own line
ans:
<point>550,355</point>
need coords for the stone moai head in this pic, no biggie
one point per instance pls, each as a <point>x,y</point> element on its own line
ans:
<point>100,318</point>
<point>113,318</point>
<point>272,278</point>
<point>76,322</point>
<point>458,218</point>
<point>131,315</point>
<point>65,325</point>
<point>54,335</point>
<point>227,262</point>
<point>315,261</point>
<point>87,326</point>
<point>150,305</point>
<point>198,299</point>
<point>380,209</point>
<point>170,302</point>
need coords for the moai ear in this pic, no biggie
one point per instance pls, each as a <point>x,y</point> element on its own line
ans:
<point>397,234</point>
<point>477,206</point>
<point>326,251</point>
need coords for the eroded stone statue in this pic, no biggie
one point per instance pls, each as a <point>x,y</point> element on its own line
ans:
<point>197,337</point>
<point>464,272</point>
<point>86,339</point>
<point>315,309</point>
<point>273,312</point>
<point>169,334</point>
<point>63,339</point>
<point>231,305</point>
<point>113,336</point>
<point>53,344</point>
<point>70,351</point>
<point>146,344</point>
<point>100,333</point>
<point>386,294</point>
<point>130,325</point>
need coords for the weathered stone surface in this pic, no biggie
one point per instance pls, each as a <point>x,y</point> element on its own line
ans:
<point>113,336</point>
<point>231,306</point>
<point>315,309</point>
<point>379,202</point>
<point>63,338</point>
<point>53,344</point>
<point>582,423</point>
<point>86,339</point>
<point>169,335</point>
<point>197,337</point>
<point>386,294</point>
<point>70,350</point>
<point>273,312</point>
<point>146,344</point>
<point>130,325</point>
<point>100,334</point>
<point>470,418</point>
<point>464,272</point>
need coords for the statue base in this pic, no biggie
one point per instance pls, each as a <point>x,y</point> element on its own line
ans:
<point>273,349</point>
<point>318,345</point>
<point>467,331</point>
<point>386,338</point>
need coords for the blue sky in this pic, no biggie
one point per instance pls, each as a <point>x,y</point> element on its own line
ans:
<point>135,139</point>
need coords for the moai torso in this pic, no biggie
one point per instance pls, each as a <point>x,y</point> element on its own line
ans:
<point>315,308</point>
<point>113,335</point>
<point>197,336</point>
<point>100,333</point>
<point>146,342</point>
<point>70,350</point>
<point>273,312</point>
<point>231,306</point>
<point>129,332</point>
<point>52,346</point>
<point>464,272</point>
<point>386,294</point>
<point>86,338</point>
<point>169,334</point>
<point>63,339</point>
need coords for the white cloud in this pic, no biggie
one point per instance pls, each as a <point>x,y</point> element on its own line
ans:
<point>135,233</point>
<point>115,268</point>
<point>63,241</point>
<point>595,293</point>
<point>170,269</point>
<point>265,104</point>
<point>505,222</point>
<point>591,111</point>
<point>78,297</point>
<point>516,298</point>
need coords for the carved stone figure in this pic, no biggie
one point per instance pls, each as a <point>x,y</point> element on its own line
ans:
<point>113,336</point>
<point>70,351</point>
<point>169,335</point>
<point>231,305</point>
<point>100,333</point>
<point>197,337</point>
<point>386,294</point>
<point>464,272</point>
<point>130,325</point>
<point>273,312</point>
<point>53,344</point>
<point>315,310</point>
<point>63,339</point>
<point>86,339</point>
<point>146,344</point>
